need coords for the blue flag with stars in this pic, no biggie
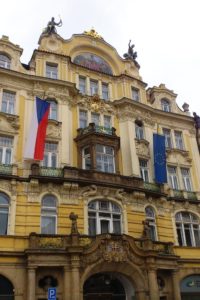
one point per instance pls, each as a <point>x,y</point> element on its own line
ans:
<point>159,158</point>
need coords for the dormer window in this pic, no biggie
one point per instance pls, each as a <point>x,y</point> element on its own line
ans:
<point>135,95</point>
<point>5,61</point>
<point>165,104</point>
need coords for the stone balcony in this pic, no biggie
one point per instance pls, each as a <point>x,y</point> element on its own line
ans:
<point>8,170</point>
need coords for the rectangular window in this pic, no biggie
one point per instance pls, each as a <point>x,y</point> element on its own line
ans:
<point>105,93</point>
<point>93,87</point>
<point>179,140</point>
<point>172,177</point>
<point>135,94</point>
<point>83,119</point>
<point>139,131</point>
<point>6,148</point>
<point>53,110</point>
<point>92,223</point>
<point>86,158</point>
<point>82,85</point>
<point>186,179</point>
<point>50,155</point>
<point>95,118</point>
<point>52,71</point>
<point>48,225</point>
<point>105,159</point>
<point>168,140</point>
<point>8,102</point>
<point>107,121</point>
<point>144,170</point>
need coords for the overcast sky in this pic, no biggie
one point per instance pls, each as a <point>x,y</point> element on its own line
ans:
<point>165,34</point>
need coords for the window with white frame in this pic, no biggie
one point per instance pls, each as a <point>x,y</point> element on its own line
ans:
<point>49,215</point>
<point>53,111</point>
<point>139,130</point>
<point>4,211</point>
<point>144,172</point>
<point>185,172</point>
<point>107,124</point>
<point>104,217</point>
<point>8,102</point>
<point>5,61</point>
<point>51,70</point>
<point>188,229</point>
<point>95,118</point>
<point>50,155</point>
<point>105,91</point>
<point>6,149</point>
<point>82,85</point>
<point>172,177</point>
<point>105,160</point>
<point>93,87</point>
<point>179,140</point>
<point>135,94</point>
<point>165,105</point>
<point>168,140</point>
<point>151,218</point>
<point>86,156</point>
<point>83,118</point>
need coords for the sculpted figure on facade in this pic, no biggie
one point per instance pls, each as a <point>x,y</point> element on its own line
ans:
<point>197,126</point>
<point>51,26</point>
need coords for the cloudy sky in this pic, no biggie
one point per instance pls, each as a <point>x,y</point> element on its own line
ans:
<point>165,34</point>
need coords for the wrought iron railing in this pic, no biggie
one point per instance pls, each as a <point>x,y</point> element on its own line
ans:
<point>51,172</point>
<point>152,186</point>
<point>178,194</point>
<point>5,169</point>
<point>96,128</point>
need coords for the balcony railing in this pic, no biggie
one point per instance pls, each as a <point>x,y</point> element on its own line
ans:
<point>152,187</point>
<point>178,194</point>
<point>191,195</point>
<point>51,172</point>
<point>92,128</point>
<point>6,169</point>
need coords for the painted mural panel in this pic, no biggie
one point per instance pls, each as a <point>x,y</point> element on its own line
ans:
<point>93,62</point>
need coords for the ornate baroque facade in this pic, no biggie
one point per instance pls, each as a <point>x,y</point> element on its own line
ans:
<point>89,219</point>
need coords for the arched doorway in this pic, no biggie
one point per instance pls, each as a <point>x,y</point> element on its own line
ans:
<point>104,286</point>
<point>190,288</point>
<point>6,289</point>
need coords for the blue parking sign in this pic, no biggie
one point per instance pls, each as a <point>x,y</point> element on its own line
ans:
<point>51,293</point>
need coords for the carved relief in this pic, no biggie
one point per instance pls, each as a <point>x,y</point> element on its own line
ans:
<point>54,129</point>
<point>96,104</point>
<point>9,123</point>
<point>142,148</point>
<point>179,156</point>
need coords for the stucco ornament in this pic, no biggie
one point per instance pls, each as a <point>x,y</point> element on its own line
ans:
<point>92,32</point>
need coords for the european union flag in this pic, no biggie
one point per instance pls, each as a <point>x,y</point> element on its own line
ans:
<point>159,158</point>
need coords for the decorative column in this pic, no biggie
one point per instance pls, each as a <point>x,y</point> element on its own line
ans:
<point>176,285</point>
<point>75,288</point>
<point>140,295</point>
<point>100,88</point>
<point>67,283</point>
<point>153,285</point>
<point>31,283</point>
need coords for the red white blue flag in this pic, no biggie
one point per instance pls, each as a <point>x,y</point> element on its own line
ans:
<point>36,137</point>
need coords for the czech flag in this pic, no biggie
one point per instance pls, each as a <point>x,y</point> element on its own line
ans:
<point>36,138</point>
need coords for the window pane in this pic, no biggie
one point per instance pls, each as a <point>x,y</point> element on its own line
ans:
<point>105,95</point>
<point>49,201</point>
<point>51,71</point>
<point>107,121</point>
<point>4,61</point>
<point>3,221</point>
<point>165,105</point>
<point>116,226</point>
<point>8,102</point>
<point>104,226</point>
<point>135,94</point>
<point>95,119</point>
<point>92,226</point>
<point>82,118</point>
<point>48,225</point>
<point>197,236</point>
<point>1,155</point>
<point>188,235</point>
<point>93,87</point>
<point>8,156</point>
<point>179,235</point>
<point>82,85</point>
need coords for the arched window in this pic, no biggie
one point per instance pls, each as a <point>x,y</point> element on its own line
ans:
<point>104,217</point>
<point>53,112</point>
<point>139,130</point>
<point>49,215</point>
<point>165,104</point>
<point>188,230</point>
<point>6,289</point>
<point>4,61</point>
<point>150,216</point>
<point>4,210</point>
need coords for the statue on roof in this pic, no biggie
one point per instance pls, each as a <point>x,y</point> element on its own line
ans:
<point>131,54</point>
<point>51,26</point>
<point>197,126</point>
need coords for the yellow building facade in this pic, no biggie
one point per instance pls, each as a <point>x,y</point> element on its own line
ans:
<point>89,220</point>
